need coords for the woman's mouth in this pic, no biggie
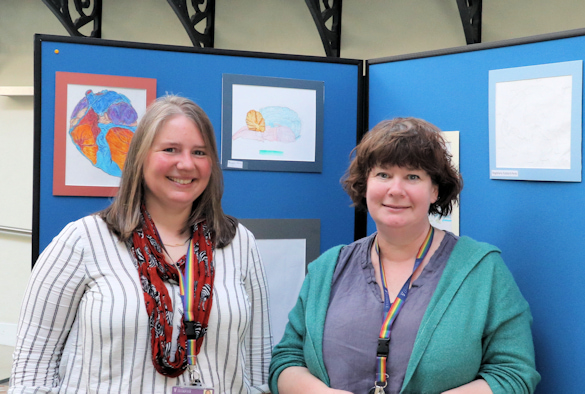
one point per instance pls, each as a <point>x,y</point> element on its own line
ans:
<point>181,181</point>
<point>394,206</point>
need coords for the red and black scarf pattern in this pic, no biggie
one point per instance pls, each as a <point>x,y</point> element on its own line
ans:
<point>154,270</point>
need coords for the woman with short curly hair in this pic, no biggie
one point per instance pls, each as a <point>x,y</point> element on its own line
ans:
<point>410,308</point>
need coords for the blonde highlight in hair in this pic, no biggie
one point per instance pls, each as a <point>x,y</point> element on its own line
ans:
<point>123,215</point>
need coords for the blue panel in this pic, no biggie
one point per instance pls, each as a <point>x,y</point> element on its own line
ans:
<point>537,225</point>
<point>248,194</point>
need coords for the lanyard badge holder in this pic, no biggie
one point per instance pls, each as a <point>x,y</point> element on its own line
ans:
<point>188,285</point>
<point>391,311</point>
<point>194,386</point>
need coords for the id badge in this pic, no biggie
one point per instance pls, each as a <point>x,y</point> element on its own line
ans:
<point>192,390</point>
<point>195,387</point>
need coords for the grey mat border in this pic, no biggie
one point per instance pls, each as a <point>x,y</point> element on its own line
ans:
<point>228,81</point>
<point>309,229</point>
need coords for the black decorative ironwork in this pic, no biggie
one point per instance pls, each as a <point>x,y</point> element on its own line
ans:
<point>199,39</point>
<point>470,11</point>
<point>61,10</point>
<point>330,36</point>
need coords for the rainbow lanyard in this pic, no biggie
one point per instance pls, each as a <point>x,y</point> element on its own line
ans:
<point>391,310</point>
<point>187,286</point>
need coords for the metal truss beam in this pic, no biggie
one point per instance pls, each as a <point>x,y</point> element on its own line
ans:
<point>330,36</point>
<point>61,10</point>
<point>470,11</point>
<point>207,14</point>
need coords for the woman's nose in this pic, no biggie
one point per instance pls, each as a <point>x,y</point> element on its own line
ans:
<point>395,187</point>
<point>185,161</point>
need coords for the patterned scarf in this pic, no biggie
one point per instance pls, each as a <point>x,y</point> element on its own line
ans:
<point>154,270</point>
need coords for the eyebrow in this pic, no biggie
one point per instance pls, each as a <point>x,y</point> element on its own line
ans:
<point>175,143</point>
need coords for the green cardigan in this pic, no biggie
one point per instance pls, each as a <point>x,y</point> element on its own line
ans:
<point>477,325</point>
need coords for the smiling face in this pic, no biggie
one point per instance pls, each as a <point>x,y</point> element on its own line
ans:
<point>399,197</point>
<point>177,167</point>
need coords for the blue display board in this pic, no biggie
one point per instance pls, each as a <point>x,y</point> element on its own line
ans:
<point>197,74</point>
<point>537,225</point>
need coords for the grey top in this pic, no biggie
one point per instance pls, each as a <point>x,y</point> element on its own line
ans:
<point>356,313</point>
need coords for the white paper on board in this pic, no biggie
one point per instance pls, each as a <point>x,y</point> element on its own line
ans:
<point>533,123</point>
<point>303,102</point>
<point>284,262</point>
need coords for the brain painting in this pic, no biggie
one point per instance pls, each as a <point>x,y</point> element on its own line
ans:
<point>101,127</point>
<point>274,124</point>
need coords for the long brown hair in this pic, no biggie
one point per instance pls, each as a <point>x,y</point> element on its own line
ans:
<point>123,215</point>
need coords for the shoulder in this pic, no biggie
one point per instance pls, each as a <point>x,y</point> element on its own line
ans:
<point>87,233</point>
<point>470,244</point>
<point>469,255</point>
<point>76,229</point>
<point>70,244</point>
<point>359,246</point>
<point>94,226</point>
<point>329,259</point>
<point>323,267</point>
<point>357,251</point>
<point>479,261</point>
<point>244,232</point>
<point>243,239</point>
<point>241,253</point>
<point>471,252</point>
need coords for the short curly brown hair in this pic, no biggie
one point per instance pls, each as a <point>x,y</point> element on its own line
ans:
<point>404,142</point>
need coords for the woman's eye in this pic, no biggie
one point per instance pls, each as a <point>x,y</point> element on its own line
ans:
<point>382,175</point>
<point>413,177</point>
<point>170,150</point>
<point>199,153</point>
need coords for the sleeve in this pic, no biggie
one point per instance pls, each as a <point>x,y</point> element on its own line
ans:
<point>259,338</point>
<point>508,364</point>
<point>289,351</point>
<point>48,311</point>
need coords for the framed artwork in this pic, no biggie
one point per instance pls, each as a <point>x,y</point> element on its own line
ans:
<point>287,246</point>
<point>272,124</point>
<point>450,222</point>
<point>95,119</point>
<point>535,122</point>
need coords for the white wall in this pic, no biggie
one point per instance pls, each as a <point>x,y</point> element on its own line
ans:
<point>16,166</point>
<point>371,29</point>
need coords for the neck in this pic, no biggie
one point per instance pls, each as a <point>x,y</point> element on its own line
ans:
<point>402,244</point>
<point>170,225</point>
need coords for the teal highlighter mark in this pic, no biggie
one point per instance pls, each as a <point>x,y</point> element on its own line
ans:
<point>271,152</point>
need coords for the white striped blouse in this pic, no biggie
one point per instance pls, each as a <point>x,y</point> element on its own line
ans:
<point>83,325</point>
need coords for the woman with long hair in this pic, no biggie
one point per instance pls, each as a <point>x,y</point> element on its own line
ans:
<point>160,289</point>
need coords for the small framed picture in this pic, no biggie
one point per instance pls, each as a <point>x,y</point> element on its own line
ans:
<point>272,124</point>
<point>95,119</point>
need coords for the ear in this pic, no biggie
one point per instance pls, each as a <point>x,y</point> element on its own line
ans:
<point>434,194</point>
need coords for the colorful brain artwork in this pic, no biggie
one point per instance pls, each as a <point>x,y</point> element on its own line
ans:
<point>101,127</point>
<point>273,124</point>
